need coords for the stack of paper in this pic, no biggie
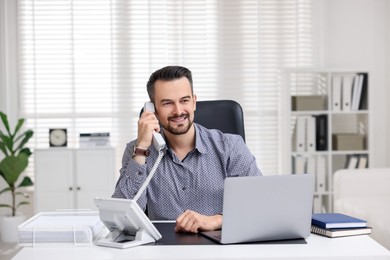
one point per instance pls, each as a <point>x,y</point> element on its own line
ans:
<point>65,228</point>
<point>94,139</point>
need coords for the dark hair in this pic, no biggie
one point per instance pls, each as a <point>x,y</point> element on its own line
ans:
<point>168,73</point>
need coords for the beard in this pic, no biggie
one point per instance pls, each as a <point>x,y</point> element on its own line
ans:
<point>181,128</point>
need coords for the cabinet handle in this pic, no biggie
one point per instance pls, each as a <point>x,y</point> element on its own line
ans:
<point>70,188</point>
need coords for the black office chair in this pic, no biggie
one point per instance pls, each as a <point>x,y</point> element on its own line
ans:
<point>224,115</point>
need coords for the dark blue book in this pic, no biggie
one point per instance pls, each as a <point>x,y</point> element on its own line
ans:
<point>336,220</point>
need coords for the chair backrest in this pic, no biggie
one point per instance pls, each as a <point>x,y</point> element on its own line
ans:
<point>224,115</point>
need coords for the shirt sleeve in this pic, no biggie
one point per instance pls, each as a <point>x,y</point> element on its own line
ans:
<point>132,176</point>
<point>241,161</point>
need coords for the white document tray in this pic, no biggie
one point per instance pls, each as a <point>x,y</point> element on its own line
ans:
<point>69,228</point>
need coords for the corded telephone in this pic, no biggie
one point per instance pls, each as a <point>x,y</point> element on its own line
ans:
<point>158,140</point>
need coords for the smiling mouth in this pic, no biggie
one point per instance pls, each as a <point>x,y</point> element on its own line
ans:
<point>178,119</point>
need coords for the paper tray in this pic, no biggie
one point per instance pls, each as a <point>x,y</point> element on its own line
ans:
<point>61,228</point>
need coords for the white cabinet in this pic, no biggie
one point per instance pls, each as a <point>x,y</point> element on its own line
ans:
<point>68,178</point>
<point>326,125</point>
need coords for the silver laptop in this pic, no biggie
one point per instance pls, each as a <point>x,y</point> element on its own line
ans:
<point>265,208</point>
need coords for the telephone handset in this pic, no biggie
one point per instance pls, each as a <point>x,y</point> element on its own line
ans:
<point>158,140</point>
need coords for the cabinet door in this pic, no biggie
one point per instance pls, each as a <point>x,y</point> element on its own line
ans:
<point>53,180</point>
<point>95,176</point>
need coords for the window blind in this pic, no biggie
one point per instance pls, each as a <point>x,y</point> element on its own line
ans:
<point>83,65</point>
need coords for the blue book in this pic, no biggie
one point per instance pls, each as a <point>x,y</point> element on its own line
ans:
<point>337,220</point>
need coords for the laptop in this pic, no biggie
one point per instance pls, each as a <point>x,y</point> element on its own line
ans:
<point>265,208</point>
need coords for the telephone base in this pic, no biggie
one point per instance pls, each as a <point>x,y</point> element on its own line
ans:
<point>142,237</point>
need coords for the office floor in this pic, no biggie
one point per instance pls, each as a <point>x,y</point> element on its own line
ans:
<point>7,250</point>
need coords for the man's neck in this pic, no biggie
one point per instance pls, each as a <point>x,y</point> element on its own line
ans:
<point>181,144</point>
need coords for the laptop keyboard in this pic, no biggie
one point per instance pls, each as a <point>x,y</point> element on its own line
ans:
<point>217,236</point>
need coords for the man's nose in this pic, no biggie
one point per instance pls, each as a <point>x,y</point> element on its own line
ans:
<point>177,108</point>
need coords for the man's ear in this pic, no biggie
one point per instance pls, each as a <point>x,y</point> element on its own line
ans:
<point>194,97</point>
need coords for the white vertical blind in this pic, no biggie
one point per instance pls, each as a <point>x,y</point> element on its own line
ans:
<point>83,65</point>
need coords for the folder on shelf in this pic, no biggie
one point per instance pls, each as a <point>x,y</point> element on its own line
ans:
<point>347,92</point>
<point>364,92</point>
<point>311,134</point>
<point>311,165</point>
<point>317,204</point>
<point>336,93</point>
<point>352,161</point>
<point>321,133</point>
<point>299,164</point>
<point>357,91</point>
<point>300,134</point>
<point>363,162</point>
<point>354,91</point>
<point>321,173</point>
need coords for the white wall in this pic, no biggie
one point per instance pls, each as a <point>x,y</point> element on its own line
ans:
<point>8,66</point>
<point>356,36</point>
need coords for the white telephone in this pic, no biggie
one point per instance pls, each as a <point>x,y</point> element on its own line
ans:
<point>158,140</point>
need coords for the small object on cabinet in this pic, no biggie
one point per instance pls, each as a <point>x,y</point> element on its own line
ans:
<point>58,137</point>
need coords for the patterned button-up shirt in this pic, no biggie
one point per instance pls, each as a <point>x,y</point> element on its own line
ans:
<point>195,183</point>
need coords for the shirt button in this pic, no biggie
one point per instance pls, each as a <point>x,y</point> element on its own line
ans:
<point>184,188</point>
<point>139,173</point>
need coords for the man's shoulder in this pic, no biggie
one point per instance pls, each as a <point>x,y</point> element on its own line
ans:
<point>215,134</point>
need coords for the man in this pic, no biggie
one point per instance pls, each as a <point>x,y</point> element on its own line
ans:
<point>188,183</point>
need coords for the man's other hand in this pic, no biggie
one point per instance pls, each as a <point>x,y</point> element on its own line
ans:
<point>191,221</point>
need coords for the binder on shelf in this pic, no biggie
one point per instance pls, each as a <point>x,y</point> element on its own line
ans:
<point>354,91</point>
<point>299,164</point>
<point>317,204</point>
<point>321,173</point>
<point>336,93</point>
<point>364,92</point>
<point>311,165</point>
<point>300,134</point>
<point>352,161</point>
<point>357,91</point>
<point>311,134</point>
<point>363,162</point>
<point>321,132</point>
<point>347,92</point>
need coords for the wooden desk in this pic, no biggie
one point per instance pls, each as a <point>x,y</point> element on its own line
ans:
<point>317,247</point>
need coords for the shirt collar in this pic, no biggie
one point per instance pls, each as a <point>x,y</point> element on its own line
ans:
<point>200,146</point>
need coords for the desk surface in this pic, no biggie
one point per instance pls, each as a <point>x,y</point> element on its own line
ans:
<point>317,247</point>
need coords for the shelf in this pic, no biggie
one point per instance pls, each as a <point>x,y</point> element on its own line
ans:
<point>349,152</point>
<point>310,129</point>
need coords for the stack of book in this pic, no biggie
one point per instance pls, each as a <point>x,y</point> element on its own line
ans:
<point>338,225</point>
<point>94,139</point>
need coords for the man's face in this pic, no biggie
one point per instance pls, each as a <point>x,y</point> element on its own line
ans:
<point>175,105</point>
